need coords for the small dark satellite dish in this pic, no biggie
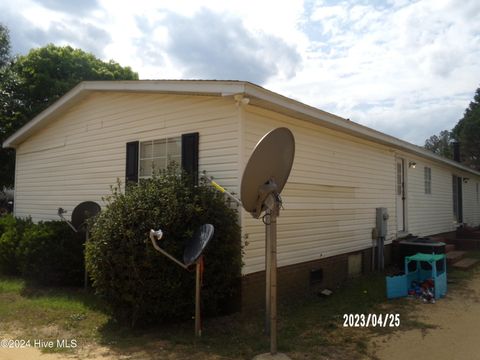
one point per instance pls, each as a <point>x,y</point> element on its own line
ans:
<point>271,159</point>
<point>82,213</point>
<point>197,244</point>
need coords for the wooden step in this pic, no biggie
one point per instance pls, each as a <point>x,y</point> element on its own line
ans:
<point>465,263</point>
<point>449,248</point>
<point>454,256</point>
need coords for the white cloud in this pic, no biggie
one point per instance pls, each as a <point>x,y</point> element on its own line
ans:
<point>384,66</point>
<point>395,65</point>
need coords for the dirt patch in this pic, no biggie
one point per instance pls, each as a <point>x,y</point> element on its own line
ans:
<point>455,336</point>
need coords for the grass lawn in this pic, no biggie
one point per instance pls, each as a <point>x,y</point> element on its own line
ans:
<point>311,328</point>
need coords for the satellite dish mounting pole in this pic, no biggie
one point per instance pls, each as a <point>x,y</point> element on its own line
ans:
<point>198,286</point>
<point>271,234</point>
<point>268,268</point>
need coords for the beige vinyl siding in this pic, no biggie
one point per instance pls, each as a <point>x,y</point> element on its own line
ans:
<point>81,154</point>
<point>335,185</point>
<point>429,214</point>
<point>471,204</point>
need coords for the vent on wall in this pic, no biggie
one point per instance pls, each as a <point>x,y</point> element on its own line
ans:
<point>316,277</point>
<point>354,265</point>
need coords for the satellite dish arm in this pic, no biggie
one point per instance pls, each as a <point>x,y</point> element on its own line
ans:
<point>221,189</point>
<point>60,212</point>
<point>157,235</point>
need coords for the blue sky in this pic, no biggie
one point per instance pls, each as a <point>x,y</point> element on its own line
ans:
<point>407,68</point>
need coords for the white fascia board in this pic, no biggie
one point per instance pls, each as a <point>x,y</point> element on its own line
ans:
<point>204,87</point>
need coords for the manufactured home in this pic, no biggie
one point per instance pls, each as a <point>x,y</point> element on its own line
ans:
<point>101,131</point>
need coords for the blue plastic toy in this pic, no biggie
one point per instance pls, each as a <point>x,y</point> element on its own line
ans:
<point>427,266</point>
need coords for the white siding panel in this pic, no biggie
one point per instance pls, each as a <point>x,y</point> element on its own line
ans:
<point>429,213</point>
<point>471,201</point>
<point>81,154</point>
<point>335,185</point>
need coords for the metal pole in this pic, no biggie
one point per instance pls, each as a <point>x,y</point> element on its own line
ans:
<point>159,249</point>
<point>273,279</point>
<point>85,279</point>
<point>198,330</point>
<point>268,266</point>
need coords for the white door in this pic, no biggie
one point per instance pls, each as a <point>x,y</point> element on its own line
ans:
<point>400,190</point>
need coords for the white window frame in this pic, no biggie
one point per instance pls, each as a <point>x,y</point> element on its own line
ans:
<point>427,178</point>
<point>160,155</point>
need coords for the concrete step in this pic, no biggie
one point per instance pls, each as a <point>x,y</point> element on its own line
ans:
<point>468,244</point>
<point>449,248</point>
<point>454,256</point>
<point>465,263</point>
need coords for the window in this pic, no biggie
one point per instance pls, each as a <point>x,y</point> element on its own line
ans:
<point>155,155</point>
<point>428,180</point>
<point>399,179</point>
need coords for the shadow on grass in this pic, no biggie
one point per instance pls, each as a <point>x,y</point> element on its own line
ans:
<point>309,327</point>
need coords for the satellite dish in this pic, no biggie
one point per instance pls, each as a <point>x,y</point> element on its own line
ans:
<point>263,180</point>
<point>82,213</point>
<point>270,162</point>
<point>192,255</point>
<point>197,244</point>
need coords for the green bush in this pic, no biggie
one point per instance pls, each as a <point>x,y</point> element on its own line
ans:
<point>11,233</point>
<point>139,283</point>
<point>50,253</point>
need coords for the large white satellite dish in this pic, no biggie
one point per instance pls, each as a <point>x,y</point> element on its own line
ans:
<point>263,180</point>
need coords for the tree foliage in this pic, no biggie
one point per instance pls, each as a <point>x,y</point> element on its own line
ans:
<point>440,144</point>
<point>467,132</point>
<point>141,285</point>
<point>4,46</point>
<point>49,72</point>
<point>30,83</point>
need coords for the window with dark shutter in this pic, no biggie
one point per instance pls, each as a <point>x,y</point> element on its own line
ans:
<point>131,169</point>
<point>190,155</point>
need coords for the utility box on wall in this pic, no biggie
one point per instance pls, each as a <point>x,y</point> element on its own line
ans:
<point>382,219</point>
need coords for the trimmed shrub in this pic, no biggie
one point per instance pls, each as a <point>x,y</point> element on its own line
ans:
<point>50,253</point>
<point>140,284</point>
<point>11,233</point>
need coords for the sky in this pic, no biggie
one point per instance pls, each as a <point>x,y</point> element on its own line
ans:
<point>406,68</point>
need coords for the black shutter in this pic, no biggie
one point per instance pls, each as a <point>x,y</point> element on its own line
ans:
<point>190,155</point>
<point>131,169</point>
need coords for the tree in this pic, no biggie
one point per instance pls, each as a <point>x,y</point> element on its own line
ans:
<point>4,46</point>
<point>49,72</point>
<point>30,83</point>
<point>440,144</point>
<point>467,132</point>
<point>8,104</point>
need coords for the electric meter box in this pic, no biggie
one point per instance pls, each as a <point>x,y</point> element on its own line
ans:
<point>382,220</point>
